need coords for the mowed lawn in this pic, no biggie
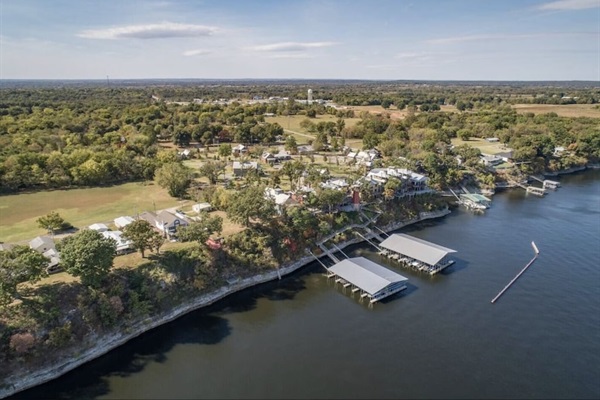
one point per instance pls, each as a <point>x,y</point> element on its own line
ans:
<point>563,110</point>
<point>481,144</point>
<point>292,122</point>
<point>80,207</point>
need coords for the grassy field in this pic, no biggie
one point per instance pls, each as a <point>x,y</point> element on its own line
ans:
<point>564,110</point>
<point>80,207</point>
<point>483,145</point>
<point>292,122</point>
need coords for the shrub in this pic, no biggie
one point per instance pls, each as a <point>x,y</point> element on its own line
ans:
<point>21,343</point>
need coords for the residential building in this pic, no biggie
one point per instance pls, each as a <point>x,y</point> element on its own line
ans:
<point>241,168</point>
<point>122,222</point>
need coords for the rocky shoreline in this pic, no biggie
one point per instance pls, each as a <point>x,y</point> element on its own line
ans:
<point>98,346</point>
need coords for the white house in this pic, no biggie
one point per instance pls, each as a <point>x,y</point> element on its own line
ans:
<point>280,198</point>
<point>491,160</point>
<point>122,222</point>
<point>198,208</point>
<point>239,149</point>
<point>98,227</point>
<point>122,245</point>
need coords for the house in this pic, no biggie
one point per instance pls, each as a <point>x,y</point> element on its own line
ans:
<point>506,156</point>
<point>282,156</point>
<point>98,227</point>
<point>150,217</point>
<point>45,245</point>
<point>184,154</point>
<point>239,150</point>
<point>558,151</point>
<point>492,139</point>
<point>122,222</point>
<point>53,257</point>
<point>241,168</point>
<point>168,223</point>
<point>268,158</point>
<point>42,244</point>
<point>490,160</point>
<point>305,149</point>
<point>335,184</point>
<point>122,245</point>
<point>280,198</point>
<point>200,207</point>
<point>411,183</point>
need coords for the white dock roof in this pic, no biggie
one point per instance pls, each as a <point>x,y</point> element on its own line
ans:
<point>365,274</point>
<point>419,249</point>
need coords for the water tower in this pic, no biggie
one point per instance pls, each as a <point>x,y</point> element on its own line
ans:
<point>309,96</point>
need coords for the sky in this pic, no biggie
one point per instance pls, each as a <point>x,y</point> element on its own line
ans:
<point>498,40</point>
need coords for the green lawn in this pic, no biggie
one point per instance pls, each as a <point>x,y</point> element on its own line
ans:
<point>481,144</point>
<point>292,122</point>
<point>80,207</point>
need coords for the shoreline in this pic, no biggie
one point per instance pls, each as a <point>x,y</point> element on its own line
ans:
<point>105,344</point>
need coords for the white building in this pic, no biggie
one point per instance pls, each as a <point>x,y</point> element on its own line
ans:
<point>122,222</point>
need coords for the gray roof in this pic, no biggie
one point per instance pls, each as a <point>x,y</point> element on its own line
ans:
<point>42,243</point>
<point>419,249</point>
<point>367,275</point>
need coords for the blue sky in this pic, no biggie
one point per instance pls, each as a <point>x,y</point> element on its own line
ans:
<point>321,39</point>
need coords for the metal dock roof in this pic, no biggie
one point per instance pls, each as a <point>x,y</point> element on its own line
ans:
<point>366,274</point>
<point>419,249</point>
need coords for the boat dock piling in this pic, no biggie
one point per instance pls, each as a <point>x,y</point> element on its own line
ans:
<point>537,253</point>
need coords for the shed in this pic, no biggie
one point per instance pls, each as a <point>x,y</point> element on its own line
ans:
<point>200,207</point>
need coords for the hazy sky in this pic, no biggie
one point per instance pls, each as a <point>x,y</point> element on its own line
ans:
<point>325,39</point>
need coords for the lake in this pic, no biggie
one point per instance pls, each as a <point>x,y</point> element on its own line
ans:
<point>305,337</point>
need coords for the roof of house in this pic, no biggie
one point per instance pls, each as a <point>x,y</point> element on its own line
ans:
<point>366,274</point>
<point>245,165</point>
<point>148,216</point>
<point>419,249</point>
<point>99,227</point>
<point>201,206</point>
<point>123,221</point>
<point>165,216</point>
<point>121,242</point>
<point>42,243</point>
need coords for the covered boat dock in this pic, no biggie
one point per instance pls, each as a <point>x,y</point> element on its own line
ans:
<point>417,253</point>
<point>373,280</point>
<point>475,201</point>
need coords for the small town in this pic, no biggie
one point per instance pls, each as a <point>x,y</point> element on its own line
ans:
<point>299,199</point>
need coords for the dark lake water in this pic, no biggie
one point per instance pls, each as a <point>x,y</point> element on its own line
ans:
<point>303,337</point>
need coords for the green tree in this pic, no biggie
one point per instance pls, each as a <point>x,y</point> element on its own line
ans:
<point>174,177</point>
<point>52,222</point>
<point>391,187</point>
<point>330,199</point>
<point>340,124</point>
<point>224,150</point>
<point>18,265</point>
<point>293,170</point>
<point>211,170</point>
<point>291,145</point>
<point>141,234</point>
<point>250,204</point>
<point>88,255</point>
<point>200,231</point>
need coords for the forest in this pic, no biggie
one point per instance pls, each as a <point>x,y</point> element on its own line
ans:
<point>83,135</point>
